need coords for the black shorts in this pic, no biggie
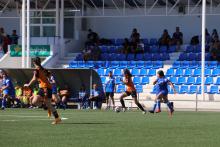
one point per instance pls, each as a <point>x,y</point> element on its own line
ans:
<point>42,92</point>
<point>107,94</point>
<point>133,93</point>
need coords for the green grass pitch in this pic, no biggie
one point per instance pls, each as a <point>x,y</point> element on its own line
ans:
<point>32,128</point>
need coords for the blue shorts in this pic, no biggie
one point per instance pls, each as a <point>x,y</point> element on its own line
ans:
<point>9,93</point>
<point>54,90</point>
<point>164,92</point>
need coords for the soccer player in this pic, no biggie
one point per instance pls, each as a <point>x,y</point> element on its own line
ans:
<point>7,89</point>
<point>45,89</point>
<point>55,97</point>
<point>161,84</point>
<point>131,91</point>
<point>110,89</point>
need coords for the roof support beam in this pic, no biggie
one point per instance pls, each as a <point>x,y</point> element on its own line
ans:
<point>196,6</point>
<point>171,9</point>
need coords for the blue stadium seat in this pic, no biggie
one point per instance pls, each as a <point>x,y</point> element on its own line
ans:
<point>132,64</point>
<point>154,49</point>
<point>153,41</point>
<point>148,64</point>
<point>194,64</point>
<point>112,49</point>
<point>137,80</point>
<point>118,80</point>
<point>183,89</point>
<point>147,57</point>
<point>145,41</point>
<point>189,49</point>
<point>172,49</point>
<point>81,64</point>
<point>104,49</point>
<point>208,72</point>
<point>121,57</point>
<point>119,41</point>
<point>170,72</point>
<point>107,71</point>
<point>103,80</point>
<point>181,80</point>
<point>171,90</point>
<point>157,64</point>
<point>215,72</point>
<point>139,57</point>
<point>145,80</point>
<point>190,81</point>
<point>217,81</point>
<point>117,72</point>
<point>213,64</point>
<point>114,64</point>
<point>197,72</point>
<point>112,57</point>
<point>139,88</point>
<point>198,81</point>
<point>123,64</point>
<point>209,81</point>
<point>101,72</point>
<point>173,80</point>
<point>177,64</point>
<point>179,72</point>
<point>89,64</point>
<point>73,64</point>
<point>185,64</point>
<point>193,89</point>
<point>188,72</point>
<point>156,57</point>
<point>135,72</point>
<point>112,40</point>
<point>192,56</point>
<point>213,90</point>
<point>99,64</point>
<point>163,49</point>
<point>120,88</point>
<point>130,57</point>
<point>105,57</point>
<point>151,72</point>
<point>183,56</point>
<point>143,72</point>
<point>140,64</point>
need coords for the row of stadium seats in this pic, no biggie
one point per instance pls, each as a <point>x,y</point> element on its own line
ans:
<point>179,89</point>
<point>148,49</point>
<point>134,72</point>
<point>120,41</point>
<point>193,57</point>
<point>195,64</point>
<point>192,72</point>
<point>194,80</point>
<point>137,80</point>
<point>116,64</point>
<point>194,48</point>
<point>193,89</point>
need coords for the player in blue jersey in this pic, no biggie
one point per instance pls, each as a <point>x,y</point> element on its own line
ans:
<point>110,89</point>
<point>7,89</point>
<point>161,84</point>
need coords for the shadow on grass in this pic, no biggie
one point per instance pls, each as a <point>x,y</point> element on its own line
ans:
<point>87,123</point>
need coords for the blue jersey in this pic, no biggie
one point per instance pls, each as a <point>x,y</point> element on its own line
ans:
<point>110,84</point>
<point>162,85</point>
<point>10,90</point>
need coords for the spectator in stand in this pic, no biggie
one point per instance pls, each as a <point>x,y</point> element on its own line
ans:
<point>96,52</point>
<point>139,48</point>
<point>165,39</point>
<point>14,37</point>
<point>177,38</point>
<point>207,36</point>
<point>6,42</point>
<point>135,39</point>
<point>87,53</point>
<point>92,38</point>
<point>214,35</point>
<point>2,36</point>
<point>126,47</point>
<point>95,96</point>
<point>215,49</point>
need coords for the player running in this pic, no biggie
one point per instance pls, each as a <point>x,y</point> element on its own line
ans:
<point>45,89</point>
<point>55,97</point>
<point>161,84</point>
<point>110,89</point>
<point>130,91</point>
<point>7,89</point>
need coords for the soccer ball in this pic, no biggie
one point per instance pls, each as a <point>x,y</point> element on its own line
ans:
<point>117,109</point>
